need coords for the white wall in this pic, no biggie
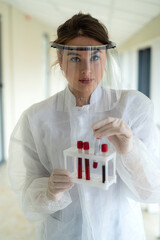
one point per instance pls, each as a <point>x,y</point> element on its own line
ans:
<point>22,64</point>
<point>149,36</point>
<point>129,66</point>
<point>128,61</point>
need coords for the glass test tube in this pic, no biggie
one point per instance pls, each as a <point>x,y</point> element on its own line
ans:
<point>104,150</point>
<point>87,167</point>
<point>97,147</point>
<point>79,147</point>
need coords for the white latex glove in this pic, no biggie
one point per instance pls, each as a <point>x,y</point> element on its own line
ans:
<point>116,131</point>
<point>59,182</point>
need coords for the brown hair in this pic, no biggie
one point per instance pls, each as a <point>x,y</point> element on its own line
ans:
<point>82,25</point>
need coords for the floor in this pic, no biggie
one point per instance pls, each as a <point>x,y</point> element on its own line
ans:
<point>13,225</point>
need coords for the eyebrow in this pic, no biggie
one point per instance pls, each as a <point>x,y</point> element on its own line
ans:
<point>98,50</point>
<point>76,54</point>
<point>72,53</point>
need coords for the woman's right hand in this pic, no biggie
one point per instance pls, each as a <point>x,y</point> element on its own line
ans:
<point>59,181</point>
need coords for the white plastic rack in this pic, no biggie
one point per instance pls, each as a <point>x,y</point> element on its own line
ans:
<point>95,178</point>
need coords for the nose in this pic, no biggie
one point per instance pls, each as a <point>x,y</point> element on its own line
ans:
<point>86,67</point>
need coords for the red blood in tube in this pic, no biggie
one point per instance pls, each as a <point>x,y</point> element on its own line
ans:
<point>87,167</point>
<point>103,173</point>
<point>104,149</point>
<point>95,164</point>
<point>79,146</point>
<point>79,167</point>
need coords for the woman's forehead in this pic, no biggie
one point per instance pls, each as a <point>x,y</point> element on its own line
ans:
<point>83,41</point>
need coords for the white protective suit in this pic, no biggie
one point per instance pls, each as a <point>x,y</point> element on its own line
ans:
<point>84,213</point>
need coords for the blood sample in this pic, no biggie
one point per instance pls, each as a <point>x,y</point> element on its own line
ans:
<point>79,147</point>
<point>104,150</point>
<point>97,147</point>
<point>87,167</point>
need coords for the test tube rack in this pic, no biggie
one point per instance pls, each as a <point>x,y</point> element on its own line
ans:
<point>95,179</point>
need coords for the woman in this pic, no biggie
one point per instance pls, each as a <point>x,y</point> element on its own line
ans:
<point>82,111</point>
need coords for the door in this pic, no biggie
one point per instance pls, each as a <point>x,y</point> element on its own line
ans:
<point>144,71</point>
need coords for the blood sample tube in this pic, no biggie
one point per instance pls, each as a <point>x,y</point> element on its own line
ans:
<point>87,167</point>
<point>104,150</point>
<point>97,148</point>
<point>79,147</point>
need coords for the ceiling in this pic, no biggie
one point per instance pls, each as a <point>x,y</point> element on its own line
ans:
<point>123,18</point>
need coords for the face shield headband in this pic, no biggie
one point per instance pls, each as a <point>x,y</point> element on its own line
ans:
<point>83,48</point>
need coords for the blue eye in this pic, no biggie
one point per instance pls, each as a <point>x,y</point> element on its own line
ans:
<point>75,59</point>
<point>95,58</point>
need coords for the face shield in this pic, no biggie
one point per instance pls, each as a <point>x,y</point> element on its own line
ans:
<point>86,68</point>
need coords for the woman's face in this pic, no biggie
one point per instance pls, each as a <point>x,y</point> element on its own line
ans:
<point>83,69</point>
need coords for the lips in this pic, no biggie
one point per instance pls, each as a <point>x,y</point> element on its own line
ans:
<point>86,80</point>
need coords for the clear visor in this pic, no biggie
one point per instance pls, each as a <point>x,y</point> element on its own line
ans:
<point>87,67</point>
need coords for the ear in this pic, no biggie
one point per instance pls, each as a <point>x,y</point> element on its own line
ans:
<point>59,55</point>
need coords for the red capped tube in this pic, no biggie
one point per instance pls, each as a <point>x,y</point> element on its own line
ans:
<point>79,144</point>
<point>86,146</point>
<point>104,150</point>
<point>87,166</point>
<point>97,148</point>
<point>80,147</point>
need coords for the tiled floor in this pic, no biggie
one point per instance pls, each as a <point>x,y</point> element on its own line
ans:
<point>152,225</point>
<point>13,225</point>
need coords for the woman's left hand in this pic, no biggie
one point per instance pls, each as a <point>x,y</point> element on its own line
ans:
<point>118,132</point>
